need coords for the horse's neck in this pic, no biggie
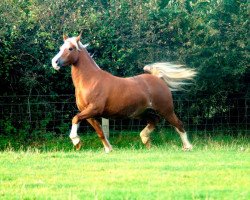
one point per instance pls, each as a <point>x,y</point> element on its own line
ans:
<point>84,70</point>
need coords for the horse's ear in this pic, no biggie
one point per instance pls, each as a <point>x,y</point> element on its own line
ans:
<point>65,37</point>
<point>79,37</point>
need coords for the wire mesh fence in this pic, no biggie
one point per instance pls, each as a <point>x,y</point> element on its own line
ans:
<point>42,114</point>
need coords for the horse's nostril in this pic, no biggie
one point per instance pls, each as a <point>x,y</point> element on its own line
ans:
<point>56,61</point>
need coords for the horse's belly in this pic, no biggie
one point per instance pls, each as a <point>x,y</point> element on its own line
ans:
<point>120,109</point>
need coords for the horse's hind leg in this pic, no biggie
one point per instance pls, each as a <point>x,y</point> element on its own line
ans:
<point>96,125</point>
<point>145,134</point>
<point>173,120</point>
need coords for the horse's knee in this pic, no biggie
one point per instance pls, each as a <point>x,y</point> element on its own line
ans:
<point>75,120</point>
<point>101,136</point>
<point>175,121</point>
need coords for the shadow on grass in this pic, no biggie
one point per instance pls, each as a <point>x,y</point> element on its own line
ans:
<point>164,138</point>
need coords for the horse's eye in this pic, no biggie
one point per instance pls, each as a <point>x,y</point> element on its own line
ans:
<point>70,48</point>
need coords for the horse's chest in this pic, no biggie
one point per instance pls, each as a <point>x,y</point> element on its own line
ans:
<point>86,97</point>
<point>81,100</point>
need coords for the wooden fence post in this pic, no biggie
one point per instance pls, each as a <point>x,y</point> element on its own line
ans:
<point>105,127</point>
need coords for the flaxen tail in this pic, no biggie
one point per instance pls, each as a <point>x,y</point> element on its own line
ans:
<point>174,75</point>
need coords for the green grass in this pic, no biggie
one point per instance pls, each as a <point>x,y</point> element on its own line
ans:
<point>217,168</point>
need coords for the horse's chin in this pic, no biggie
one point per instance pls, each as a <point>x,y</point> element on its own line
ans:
<point>55,66</point>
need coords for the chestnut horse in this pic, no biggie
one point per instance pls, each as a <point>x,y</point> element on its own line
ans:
<point>100,94</point>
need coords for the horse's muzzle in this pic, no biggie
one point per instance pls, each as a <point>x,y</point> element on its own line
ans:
<point>59,62</point>
<point>56,63</point>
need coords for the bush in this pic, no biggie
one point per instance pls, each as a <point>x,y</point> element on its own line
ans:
<point>124,36</point>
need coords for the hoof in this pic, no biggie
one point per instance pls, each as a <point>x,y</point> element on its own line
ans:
<point>148,145</point>
<point>78,146</point>
<point>187,148</point>
<point>108,149</point>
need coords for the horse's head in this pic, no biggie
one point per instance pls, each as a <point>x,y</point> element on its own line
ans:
<point>68,53</point>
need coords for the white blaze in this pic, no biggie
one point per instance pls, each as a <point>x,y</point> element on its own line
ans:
<point>54,64</point>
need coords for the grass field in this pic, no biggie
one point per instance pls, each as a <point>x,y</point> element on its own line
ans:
<point>217,168</point>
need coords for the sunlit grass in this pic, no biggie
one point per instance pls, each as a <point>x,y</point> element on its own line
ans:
<point>216,169</point>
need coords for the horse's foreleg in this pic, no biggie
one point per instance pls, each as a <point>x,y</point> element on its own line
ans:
<point>145,134</point>
<point>96,125</point>
<point>87,113</point>
<point>74,137</point>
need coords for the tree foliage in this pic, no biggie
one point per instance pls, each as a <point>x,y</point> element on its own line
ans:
<point>210,36</point>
